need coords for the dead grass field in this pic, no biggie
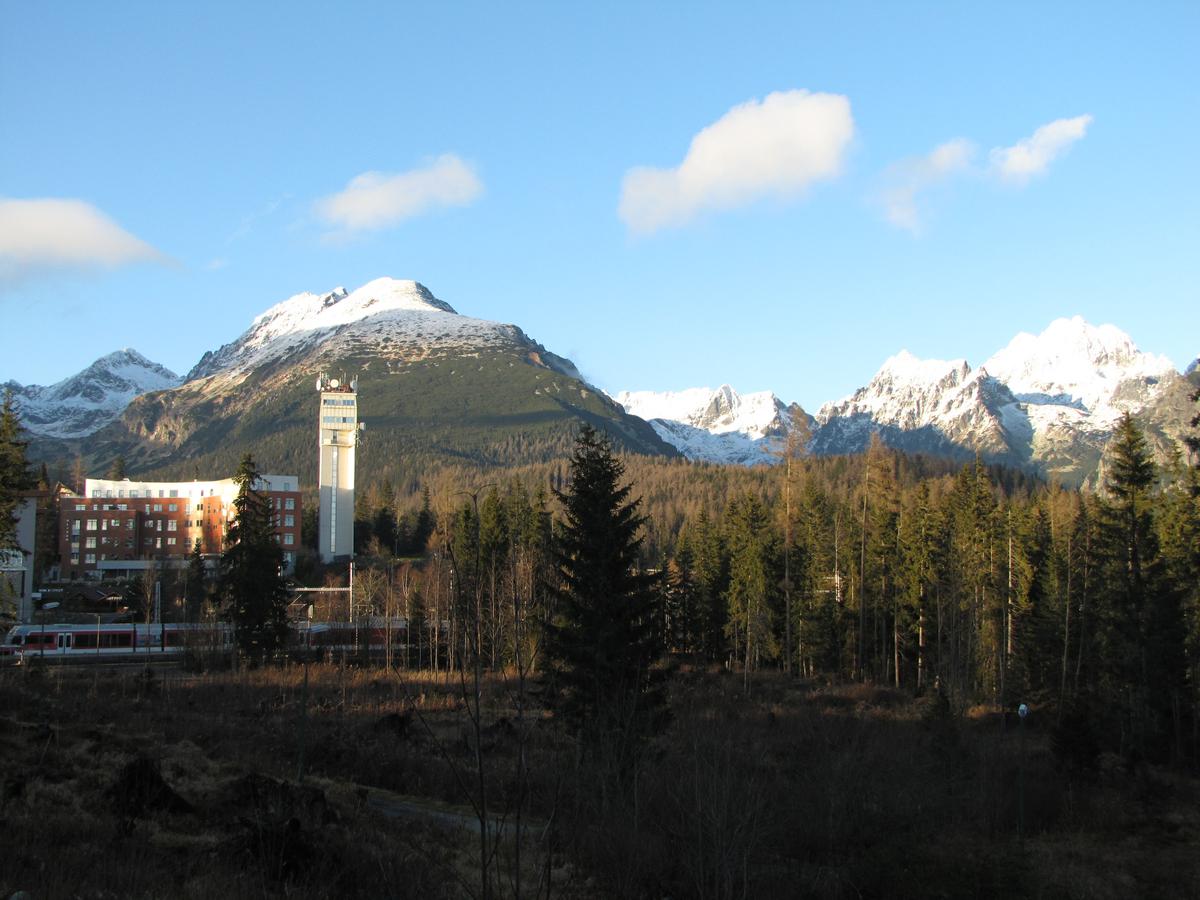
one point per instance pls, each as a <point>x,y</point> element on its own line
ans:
<point>186,785</point>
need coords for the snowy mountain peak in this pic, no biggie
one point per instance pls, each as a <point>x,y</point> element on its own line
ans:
<point>84,402</point>
<point>906,391</point>
<point>675,405</point>
<point>720,425</point>
<point>909,371</point>
<point>716,411</point>
<point>404,315</point>
<point>308,312</point>
<point>1073,363</point>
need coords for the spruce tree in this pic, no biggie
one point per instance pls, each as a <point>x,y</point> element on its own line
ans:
<point>751,582</point>
<point>1142,628</point>
<point>116,469</point>
<point>604,642</point>
<point>251,584</point>
<point>14,471</point>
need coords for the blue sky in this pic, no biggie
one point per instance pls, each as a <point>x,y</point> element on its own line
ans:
<point>864,177</point>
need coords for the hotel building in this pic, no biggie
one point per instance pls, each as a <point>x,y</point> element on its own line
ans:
<point>118,527</point>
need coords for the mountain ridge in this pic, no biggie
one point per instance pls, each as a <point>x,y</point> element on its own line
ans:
<point>1045,402</point>
<point>82,403</point>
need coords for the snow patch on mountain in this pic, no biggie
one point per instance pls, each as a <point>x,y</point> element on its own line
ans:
<point>676,406</point>
<point>906,392</point>
<point>384,316</point>
<point>1072,364</point>
<point>89,400</point>
<point>1050,400</point>
<point>716,426</point>
<point>932,405</point>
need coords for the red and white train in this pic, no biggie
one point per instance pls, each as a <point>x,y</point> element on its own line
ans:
<point>126,640</point>
<point>120,640</point>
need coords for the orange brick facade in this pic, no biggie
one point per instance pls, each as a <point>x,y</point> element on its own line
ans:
<point>99,532</point>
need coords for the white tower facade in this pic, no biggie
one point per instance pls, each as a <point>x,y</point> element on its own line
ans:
<point>338,437</point>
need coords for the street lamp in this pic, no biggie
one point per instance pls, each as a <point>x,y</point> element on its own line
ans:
<point>53,604</point>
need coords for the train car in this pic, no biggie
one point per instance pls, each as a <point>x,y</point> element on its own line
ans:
<point>81,643</point>
<point>118,640</point>
<point>371,635</point>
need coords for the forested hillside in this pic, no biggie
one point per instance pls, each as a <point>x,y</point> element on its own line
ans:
<point>880,567</point>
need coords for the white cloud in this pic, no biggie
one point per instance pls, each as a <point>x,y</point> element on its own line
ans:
<point>48,233</point>
<point>375,200</point>
<point>910,177</point>
<point>776,147</point>
<point>1033,155</point>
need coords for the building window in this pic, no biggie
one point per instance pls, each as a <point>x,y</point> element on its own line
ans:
<point>172,507</point>
<point>174,493</point>
<point>171,525</point>
<point>80,506</point>
<point>158,543</point>
<point>289,520</point>
<point>74,556</point>
<point>91,525</point>
<point>90,558</point>
<point>289,538</point>
<point>116,523</point>
<point>157,507</point>
<point>170,542</point>
<point>90,543</point>
<point>289,503</point>
<point>129,524</point>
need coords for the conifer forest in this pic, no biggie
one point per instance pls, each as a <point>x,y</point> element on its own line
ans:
<point>977,581</point>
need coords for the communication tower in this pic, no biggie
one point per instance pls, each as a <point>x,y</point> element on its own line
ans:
<point>338,437</point>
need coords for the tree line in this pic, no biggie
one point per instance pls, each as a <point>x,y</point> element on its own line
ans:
<point>973,580</point>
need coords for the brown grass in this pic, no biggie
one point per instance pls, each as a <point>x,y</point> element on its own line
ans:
<point>800,790</point>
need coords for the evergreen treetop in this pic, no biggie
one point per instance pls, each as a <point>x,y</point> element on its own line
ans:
<point>605,639</point>
<point>251,584</point>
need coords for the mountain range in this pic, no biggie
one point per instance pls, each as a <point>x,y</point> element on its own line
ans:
<point>439,385</point>
<point>78,406</point>
<point>1047,403</point>
<point>435,385</point>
